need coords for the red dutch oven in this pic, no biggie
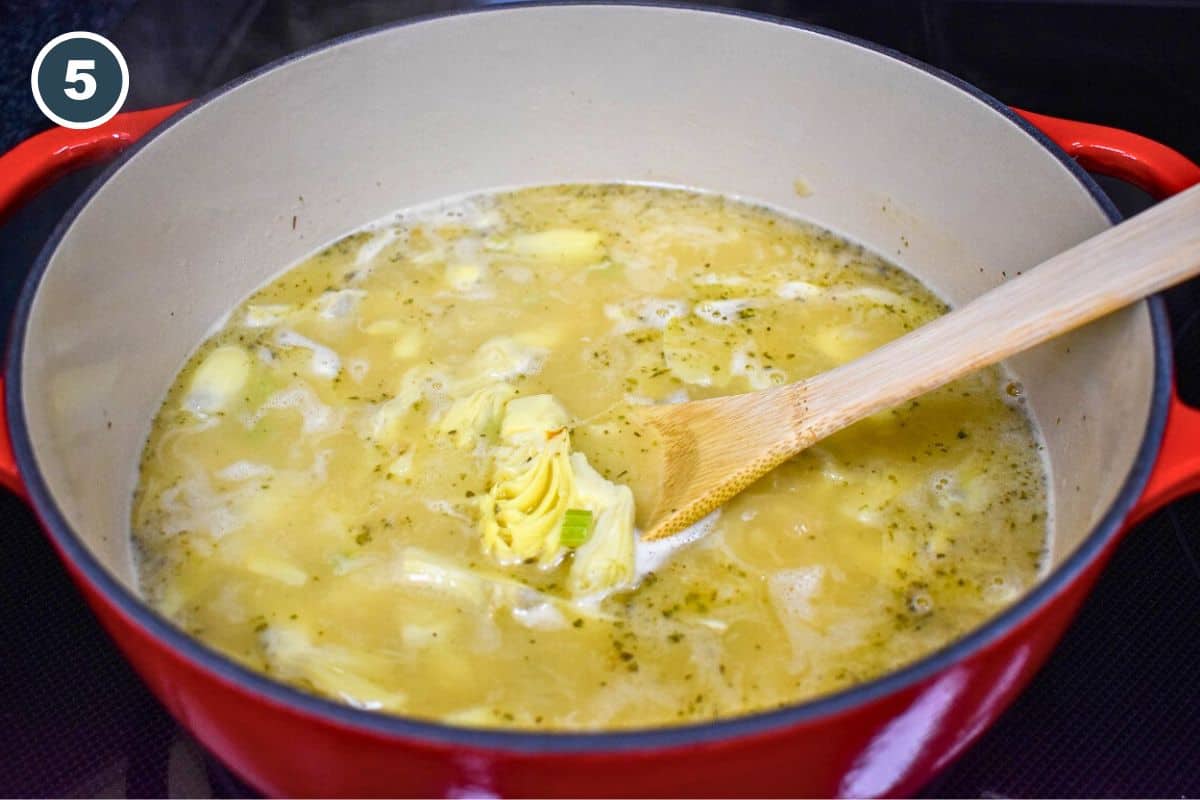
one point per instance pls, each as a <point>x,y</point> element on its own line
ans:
<point>211,198</point>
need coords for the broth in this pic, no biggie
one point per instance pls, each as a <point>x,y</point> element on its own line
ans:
<point>308,504</point>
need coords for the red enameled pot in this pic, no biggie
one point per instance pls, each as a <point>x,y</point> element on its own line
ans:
<point>221,193</point>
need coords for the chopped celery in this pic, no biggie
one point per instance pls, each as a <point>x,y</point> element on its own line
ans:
<point>576,527</point>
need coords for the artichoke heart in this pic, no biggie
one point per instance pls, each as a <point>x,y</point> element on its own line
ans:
<point>477,415</point>
<point>521,516</point>
<point>500,359</point>
<point>335,671</point>
<point>417,386</point>
<point>532,483</point>
<point>536,480</point>
<point>606,560</point>
<point>482,389</point>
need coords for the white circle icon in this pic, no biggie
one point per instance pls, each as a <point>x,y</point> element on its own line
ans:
<point>79,80</point>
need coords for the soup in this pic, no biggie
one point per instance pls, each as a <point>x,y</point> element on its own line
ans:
<point>373,482</point>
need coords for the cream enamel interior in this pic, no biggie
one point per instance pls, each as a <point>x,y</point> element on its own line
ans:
<point>895,158</point>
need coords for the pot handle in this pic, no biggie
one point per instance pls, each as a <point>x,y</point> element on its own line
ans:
<point>1161,172</point>
<point>34,164</point>
<point>1152,167</point>
<point>1176,473</point>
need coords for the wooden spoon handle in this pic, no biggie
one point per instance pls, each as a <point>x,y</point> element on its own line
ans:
<point>1150,252</point>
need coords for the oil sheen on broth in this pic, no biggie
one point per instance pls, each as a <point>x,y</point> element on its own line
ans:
<point>315,494</point>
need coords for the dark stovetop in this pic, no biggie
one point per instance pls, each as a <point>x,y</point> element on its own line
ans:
<point>1116,711</point>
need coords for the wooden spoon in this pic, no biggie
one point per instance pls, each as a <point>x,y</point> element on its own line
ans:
<point>706,451</point>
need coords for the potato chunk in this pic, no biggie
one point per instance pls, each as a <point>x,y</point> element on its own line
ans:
<point>570,247</point>
<point>218,380</point>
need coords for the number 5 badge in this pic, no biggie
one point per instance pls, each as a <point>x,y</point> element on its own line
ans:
<point>80,80</point>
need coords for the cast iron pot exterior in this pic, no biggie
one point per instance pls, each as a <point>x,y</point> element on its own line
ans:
<point>885,737</point>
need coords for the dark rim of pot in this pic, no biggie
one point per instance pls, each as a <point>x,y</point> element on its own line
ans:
<point>259,685</point>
